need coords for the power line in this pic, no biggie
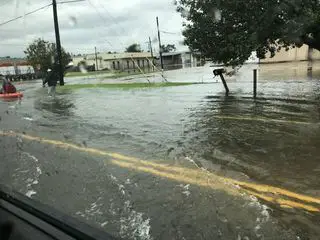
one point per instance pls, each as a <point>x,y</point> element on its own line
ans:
<point>13,44</point>
<point>173,33</point>
<point>101,18</point>
<point>29,13</point>
<point>115,22</point>
<point>71,1</point>
<point>113,19</point>
<point>4,3</point>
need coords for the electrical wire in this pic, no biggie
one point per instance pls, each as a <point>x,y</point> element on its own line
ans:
<point>28,13</point>
<point>71,1</point>
<point>101,18</point>
<point>4,3</point>
<point>113,19</point>
<point>174,33</point>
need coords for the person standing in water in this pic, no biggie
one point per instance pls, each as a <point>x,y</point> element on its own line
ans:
<point>7,86</point>
<point>51,79</point>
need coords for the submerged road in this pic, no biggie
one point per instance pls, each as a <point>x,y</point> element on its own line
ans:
<point>141,199</point>
<point>175,163</point>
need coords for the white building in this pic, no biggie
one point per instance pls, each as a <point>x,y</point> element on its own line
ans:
<point>116,61</point>
<point>176,60</point>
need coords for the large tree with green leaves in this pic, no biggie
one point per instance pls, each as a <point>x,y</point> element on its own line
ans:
<point>227,31</point>
<point>134,48</point>
<point>41,52</point>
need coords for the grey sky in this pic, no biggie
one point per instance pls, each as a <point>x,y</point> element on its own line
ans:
<point>110,25</point>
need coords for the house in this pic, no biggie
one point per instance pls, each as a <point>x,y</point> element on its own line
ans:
<point>16,68</point>
<point>304,53</point>
<point>117,61</point>
<point>176,60</point>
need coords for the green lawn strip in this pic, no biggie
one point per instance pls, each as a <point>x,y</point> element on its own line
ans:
<point>123,85</point>
<point>80,74</point>
<point>100,74</point>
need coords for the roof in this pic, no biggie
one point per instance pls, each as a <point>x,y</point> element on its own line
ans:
<point>177,53</point>
<point>10,61</point>
<point>111,56</point>
<point>14,58</point>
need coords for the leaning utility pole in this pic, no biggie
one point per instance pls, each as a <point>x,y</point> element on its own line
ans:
<point>160,50</point>
<point>150,46</point>
<point>151,51</point>
<point>95,53</point>
<point>58,43</point>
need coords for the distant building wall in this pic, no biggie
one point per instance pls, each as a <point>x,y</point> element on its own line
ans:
<point>315,54</point>
<point>176,60</point>
<point>15,66</point>
<point>117,61</point>
<point>293,54</point>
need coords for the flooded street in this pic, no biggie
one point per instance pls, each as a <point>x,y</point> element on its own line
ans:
<point>183,162</point>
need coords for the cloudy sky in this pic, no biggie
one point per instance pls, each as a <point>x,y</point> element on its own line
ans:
<point>110,25</point>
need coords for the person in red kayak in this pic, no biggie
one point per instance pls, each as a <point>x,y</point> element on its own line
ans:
<point>7,86</point>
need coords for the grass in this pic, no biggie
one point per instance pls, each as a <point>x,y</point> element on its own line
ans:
<point>123,86</point>
<point>80,74</point>
<point>122,74</point>
<point>113,75</point>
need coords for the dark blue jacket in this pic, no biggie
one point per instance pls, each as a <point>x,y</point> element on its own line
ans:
<point>52,77</point>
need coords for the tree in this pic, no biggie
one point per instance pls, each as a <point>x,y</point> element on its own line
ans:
<point>41,52</point>
<point>228,31</point>
<point>168,48</point>
<point>134,48</point>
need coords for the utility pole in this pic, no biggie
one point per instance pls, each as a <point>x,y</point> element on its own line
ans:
<point>160,50</point>
<point>151,51</point>
<point>150,46</point>
<point>95,52</point>
<point>58,43</point>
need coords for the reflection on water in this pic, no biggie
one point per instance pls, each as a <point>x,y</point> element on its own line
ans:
<point>289,71</point>
<point>240,128</point>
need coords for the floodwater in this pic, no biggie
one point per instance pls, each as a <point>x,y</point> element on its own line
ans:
<point>181,162</point>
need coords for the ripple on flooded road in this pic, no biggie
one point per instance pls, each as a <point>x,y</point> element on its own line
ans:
<point>271,140</point>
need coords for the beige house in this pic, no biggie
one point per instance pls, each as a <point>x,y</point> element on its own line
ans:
<point>117,61</point>
<point>294,54</point>
<point>176,60</point>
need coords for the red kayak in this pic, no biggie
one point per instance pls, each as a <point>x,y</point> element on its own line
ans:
<point>11,95</point>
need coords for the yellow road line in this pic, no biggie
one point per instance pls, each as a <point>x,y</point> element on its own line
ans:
<point>192,176</point>
<point>213,183</point>
<point>180,178</point>
<point>276,190</point>
<point>257,187</point>
<point>284,203</point>
<point>263,120</point>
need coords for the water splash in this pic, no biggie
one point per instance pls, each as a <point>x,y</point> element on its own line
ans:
<point>82,68</point>
<point>185,189</point>
<point>33,180</point>
<point>185,13</point>
<point>30,193</point>
<point>217,15</point>
<point>134,226</point>
<point>73,21</point>
<point>28,118</point>
<point>132,223</point>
